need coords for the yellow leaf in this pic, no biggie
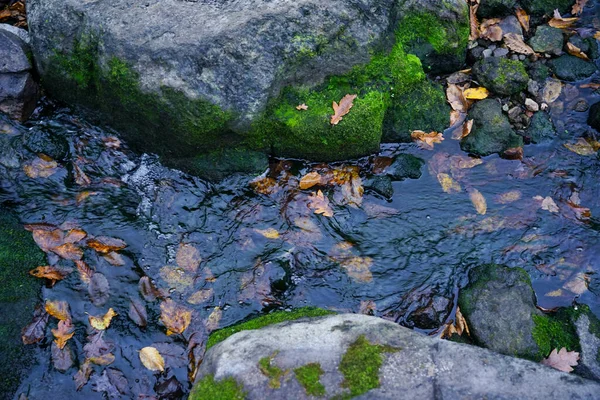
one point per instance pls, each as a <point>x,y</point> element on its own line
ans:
<point>478,201</point>
<point>58,309</point>
<point>578,7</point>
<point>509,197</point>
<point>597,35</point>
<point>152,359</point>
<point>339,110</point>
<point>63,333</point>
<point>554,293</point>
<point>478,93</point>
<point>309,180</point>
<point>188,257</point>
<point>174,316</point>
<point>358,268</point>
<point>426,140</point>
<point>559,22</point>
<point>576,51</point>
<point>523,19</point>
<point>449,185</point>
<point>104,359</point>
<point>582,147</point>
<point>320,204</point>
<point>103,322</point>
<point>269,233</point>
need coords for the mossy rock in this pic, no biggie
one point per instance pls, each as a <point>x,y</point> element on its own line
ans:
<point>19,291</point>
<point>571,68</point>
<point>501,75</point>
<point>491,132</point>
<point>541,129</point>
<point>541,7</point>
<point>547,40</point>
<point>495,8</point>
<point>225,389</point>
<point>217,164</point>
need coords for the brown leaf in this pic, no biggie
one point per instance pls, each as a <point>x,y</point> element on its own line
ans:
<point>562,360</point>
<point>152,359</point>
<point>96,346</point>
<point>137,313</point>
<point>478,201</point>
<point>53,274</point>
<point>105,244</point>
<point>58,309</point>
<point>490,30</point>
<point>474,23</point>
<point>200,296</point>
<point>367,307</point>
<point>578,7</point>
<point>174,316</point>
<point>83,375</point>
<point>514,153</point>
<point>114,259</point>
<point>148,290</point>
<point>47,239</point>
<point>562,23</point>
<point>264,185</point>
<point>105,359</point>
<point>576,51</point>
<point>456,98</point>
<point>62,359</point>
<point>302,107</point>
<point>458,327</point>
<point>523,19</point>
<point>426,140</point>
<point>74,236</point>
<point>320,204</point>
<point>455,117</point>
<point>99,289</point>
<point>63,333</point>
<point>85,272</point>
<point>515,43</point>
<point>82,196</point>
<point>339,110</point>
<point>309,180</point>
<point>68,251</point>
<point>213,320</point>
<point>80,177</point>
<point>102,323</point>
<point>188,257</point>
<point>358,268</point>
<point>41,167</point>
<point>508,197</point>
<point>36,330</point>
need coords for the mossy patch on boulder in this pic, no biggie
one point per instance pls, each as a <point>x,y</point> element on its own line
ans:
<point>501,75</point>
<point>309,377</point>
<point>225,389</point>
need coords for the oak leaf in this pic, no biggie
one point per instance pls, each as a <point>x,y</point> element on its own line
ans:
<point>320,204</point>
<point>53,274</point>
<point>343,108</point>
<point>426,140</point>
<point>83,375</point>
<point>102,323</point>
<point>152,359</point>
<point>562,360</point>
<point>174,316</point>
<point>515,43</point>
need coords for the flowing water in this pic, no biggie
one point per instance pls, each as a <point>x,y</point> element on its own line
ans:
<point>261,247</point>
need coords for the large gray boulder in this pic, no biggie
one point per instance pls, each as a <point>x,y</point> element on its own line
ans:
<point>187,77</point>
<point>395,362</point>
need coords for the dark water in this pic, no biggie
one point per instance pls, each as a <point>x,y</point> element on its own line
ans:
<point>409,255</point>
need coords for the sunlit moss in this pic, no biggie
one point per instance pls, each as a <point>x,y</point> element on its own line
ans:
<point>225,389</point>
<point>271,371</point>
<point>309,376</point>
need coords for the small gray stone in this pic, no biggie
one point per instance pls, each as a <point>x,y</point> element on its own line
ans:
<point>522,57</point>
<point>514,113</point>
<point>13,53</point>
<point>531,105</point>
<point>547,40</point>
<point>21,33</point>
<point>511,24</point>
<point>19,94</point>
<point>533,87</point>
<point>487,53</point>
<point>500,52</point>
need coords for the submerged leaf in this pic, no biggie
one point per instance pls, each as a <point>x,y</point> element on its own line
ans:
<point>269,233</point>
<point>309,180</point>
<point>426,140</point>
<point>449,185</point>
<point>62,358</point>
<point>41,167</point>
<point>51,273</point>
<point>63,333</point>
<point>99,289</point>
<point>478,201</point>
<point>213,320</point>
<point>85,272</point>
<point>174,316</point>
<point>562,360</point>
<point>583,147</point>
<point>36,330</point>
<point>83,375</point>
<point>320,204</point>
<point>188,257</point>
<point>58,309</point>
<point>343,108</point>
<point>103,322</point>
<point>137,313</point>
<point>105,244</point>
<point>152,359</point>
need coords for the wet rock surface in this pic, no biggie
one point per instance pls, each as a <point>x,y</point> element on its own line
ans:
<point>547,40</point>
<point>541,129</point>
<point>500,75</point>
<point>571,68</point>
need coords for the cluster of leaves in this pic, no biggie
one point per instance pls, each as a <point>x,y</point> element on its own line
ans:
<point>14,14</point>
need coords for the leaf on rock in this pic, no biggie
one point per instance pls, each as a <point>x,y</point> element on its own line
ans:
<point>152,359</point>
<point>99,289</point>
<point>174,316</point>
<point>583,147</point>
<point>456,98</point>
<point>83,375</point>
<point>41,167</point>
<point>137,313</point>
<point>62,358</point>
<point>309,180</point>
<point>478,201</point>
<point>53,274</point>
<point>576,51</point>
<point>36,330</point>
<point>343,108</point>
<point>449,185</point>
<point>523,19</point>
<point>562,360</point>
<point>188,257</point>
<point>213,320</point>
<point>464,131</point>
<point>458,327</point>
<point>558,21</point>
<point>105,244</point>
<point>478,93</point>
<point>426,140</point>
<point>63,333</point>
<point>320,204</point>
<point>58,309</point>
<point>515,43</point>
<point>302,107</point>
<point>103,322</point>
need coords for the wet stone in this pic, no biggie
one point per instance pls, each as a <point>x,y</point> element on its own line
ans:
<point>500,75</point>
<point>381,185</point>
<point>511,24</point>
<point>541,129</point>
<point>547,40</point>
<point>405,166</point>
<point>581,106</point>
<point>589,46</point>
<point>571,68</point>
<point>495,8</point>
<point>594,117</point>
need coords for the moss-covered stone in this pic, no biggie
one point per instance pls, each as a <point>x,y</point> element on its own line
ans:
<point>225,389</point>
<point>18,291</point>
<point>547,40</point>
<point>265,320</point>
<point>271,371</point>
<point>571,68</point>
<point>309,376</point>
<point>501,75</point>
<point>495,8</point>
<point>540,7</point>
<point>219,163</point>
<point>360,365</point>
<point>554,332</point>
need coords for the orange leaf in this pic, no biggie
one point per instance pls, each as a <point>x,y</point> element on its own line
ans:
<point>559,22</point>
<point>188,257</point>
<point>63,333</point>
<point>58,309</point>
<point>339,110</point>
<point>474,23</point>
<point>85,272</point>
<point>105,244</point>
<point>576,51</point>
<point>69,251</point>
<point>426,140</point>
<point>174,316</point>
<point>309,180</point>
<point>523,19</point>
<point>41,167</point>
<point>51,273</point>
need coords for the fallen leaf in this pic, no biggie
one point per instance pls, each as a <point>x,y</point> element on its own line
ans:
<point>105,359</point>
<point>80,177</point>
<point>82,196</point>
<point>152,359</point>
<point>523,19</point>
<point>174,316</point>
<point>36,330</point>
<point>103,322</point>
<point>478,93</point>
<point>342,109</point>
<point>464,162</point>
<point>112,382</point>
<point>509,197</point>
<point>41,167</point>
<point>490,30</point>
<point>85,272</point>
<point>558,21</point>
<point>105,244</point>
<point>514,153</point>
<point>456,98</point>
<point>582,147</point>
<point>53,274</point>
<point>200,296</point>
<point>269,233</point>
<point>515,43</point>
<point>449,185</point>
<point>96,346</point>
<point>590,85</point>
<point>213,320</point>
<point>455,117</point>
<point>69,251</point>
<point>47,238</point>
<point>137,313</point>
<point>465,131</point>
<point>309,180</point>
<point>597,35</point>
<point>188,257</point>
<point>426,140</point>
<point>547,203</point>
<point>148,290</point>
<point>458,327</point>
<point>474,23</point>
<point>578,7</point>
<point>562,360</point>
<point>114,259</point>
<point>576,51</point>
<point>478,201</point>
<point>62,359</point>
<point>552,90</point>
<point>83,375</point>
<point>578,284</point>
<point>302,107</point>
<point>74,236</point>
<point>358,268</point>
<point>99,289</point>
<point>264,185</point>
<point>63,333</point>
<point>320,204</point>
<point>58,309</point>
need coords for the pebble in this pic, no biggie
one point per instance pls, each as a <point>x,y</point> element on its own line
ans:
<point>531,105</point>
<point>513,113</point>
<point>500,52</point>
<point>544,107</point>
<point>505,108</point>
<point>522,57</point>
<point>533,87</point>
<point>581,106</point>
<point>488,53</point>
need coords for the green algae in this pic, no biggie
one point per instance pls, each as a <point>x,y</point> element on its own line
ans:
<point>309,376</point>
<point>225,389</point>
<point>265,320</point>
<point>271,371</point>
<point>554,332</point>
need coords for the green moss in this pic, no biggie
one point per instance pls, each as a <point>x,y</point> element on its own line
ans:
<point>273,372</point>
<point>360,365</point>
<point>225,389</point>
<point>265,320</point>
<point>554,332</point>
<point>309,376</point>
